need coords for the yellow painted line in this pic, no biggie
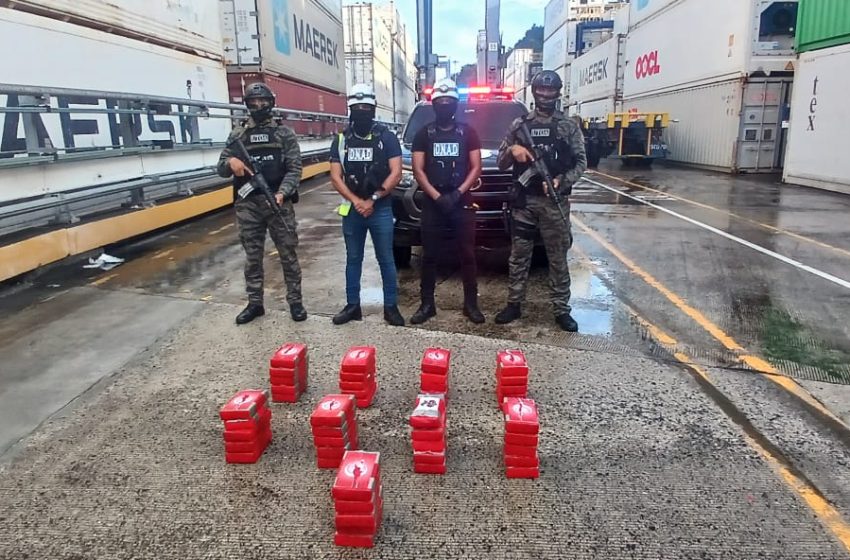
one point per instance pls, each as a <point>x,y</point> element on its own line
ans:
<point>756,363</point>
<point>829,516</point>
<point>728,213</point>
<point>103,280</point>
<point>273,253</point>
<point>221,229</point>
<point>162,254</point>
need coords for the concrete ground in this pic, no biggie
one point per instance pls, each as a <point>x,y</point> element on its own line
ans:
<point>659,439</point>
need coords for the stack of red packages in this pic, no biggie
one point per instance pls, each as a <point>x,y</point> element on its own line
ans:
<point>334,429</point>
<point>358,499</point>
<point>522,430</point>
<point>247,426</point>
<point>288,372</point>
<point>357,374</point>
<point>511,375</point>
<point>435,371</point>
<point>429,434</point>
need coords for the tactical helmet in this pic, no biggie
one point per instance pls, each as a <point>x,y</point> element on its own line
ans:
<point>258,90</point>
<point>546,79</point>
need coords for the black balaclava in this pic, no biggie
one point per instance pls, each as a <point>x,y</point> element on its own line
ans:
<point>263,113</point>
<point>445,112</point>
<point>362,120</point>
<point>545,104</point>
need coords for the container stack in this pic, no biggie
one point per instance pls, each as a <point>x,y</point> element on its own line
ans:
<point>334,429</point>
<point>357,374</point>
<point>522,430</point>
<point>435,371</point>
<point>511,375</point>
<point>358,499</point>
<point>288,372</point>
<point>429,434</point>
<point>247,426</point>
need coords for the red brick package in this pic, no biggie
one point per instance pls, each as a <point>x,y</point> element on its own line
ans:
<point>429,434</point>
<point>435,371</point>
<point>334,429</point>
<point>522,428</point>
<point>247,426</point>
<point>357,374</point>
<point>358,499</point>
<point>511,375</point>
<point>288,372</point>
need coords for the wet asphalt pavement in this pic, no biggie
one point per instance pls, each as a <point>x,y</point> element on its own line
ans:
<point>664,435</point>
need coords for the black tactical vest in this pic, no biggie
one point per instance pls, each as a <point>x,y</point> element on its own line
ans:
<point>266,151</point>
<point>364,161</point>
<point>556,154</point>
<point>447,158</point>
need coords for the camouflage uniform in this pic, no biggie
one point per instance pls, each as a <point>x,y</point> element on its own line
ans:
<point>540,214</point>
<point>276,146</point>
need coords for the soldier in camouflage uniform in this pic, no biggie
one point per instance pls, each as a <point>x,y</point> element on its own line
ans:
<point>275,153</point>
<point>532,211</point>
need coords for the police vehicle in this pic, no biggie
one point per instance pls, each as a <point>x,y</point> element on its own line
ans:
<point>490,111</point>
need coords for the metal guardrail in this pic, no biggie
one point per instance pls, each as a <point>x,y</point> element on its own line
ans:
<point>126,113</point>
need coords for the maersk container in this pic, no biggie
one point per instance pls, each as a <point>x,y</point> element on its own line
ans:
<point>822,24</point>
<point>820,121</point>
<point>64,59</point>
<point>640,10</point>
<point>186,25</point>
<point>556,14</point>
<point>598,109</point>
<point>297,40</point>
<point>598,73</point>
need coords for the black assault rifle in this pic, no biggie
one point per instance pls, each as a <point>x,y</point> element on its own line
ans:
<point>539,167</point>
<point>259,182</point>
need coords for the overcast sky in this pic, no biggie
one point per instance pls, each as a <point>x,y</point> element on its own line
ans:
<point>456,24</point>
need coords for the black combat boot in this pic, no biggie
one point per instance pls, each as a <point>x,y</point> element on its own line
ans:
<point>393,316</point>
<point>297,312</point>
<point>350,312</point>
<point>471,311</point>
<point>425,312</point>
<point>251,312</point>
<point>566,322</point>
<point>510,313</point>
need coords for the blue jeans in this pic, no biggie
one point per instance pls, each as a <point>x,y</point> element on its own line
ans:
<point>380,227</point>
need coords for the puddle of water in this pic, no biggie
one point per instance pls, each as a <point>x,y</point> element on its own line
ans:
<point>591,300</point>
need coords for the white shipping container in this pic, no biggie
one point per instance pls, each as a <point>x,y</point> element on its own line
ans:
<point>367,70</point>
<point>597,109</point>
<point>640,10</point>
<point>185,24</point>
<point>597,73</point>
<point>621,20</point>
<point>687,45</point>
<point>556,13</point>
<point>64,60</point>
<point>572,31</point>
<point>555,49</point>
<point>366,33</point>
<point>820,121</point>
<point>298,39</point>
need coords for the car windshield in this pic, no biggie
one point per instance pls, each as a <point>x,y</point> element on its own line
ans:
<point>490,120</point>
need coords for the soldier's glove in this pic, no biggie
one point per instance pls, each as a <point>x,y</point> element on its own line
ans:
<point>447,202</point>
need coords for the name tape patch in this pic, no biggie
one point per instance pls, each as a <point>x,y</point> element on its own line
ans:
<point>359,154</point>
<point>446,149</point>
<point>540,132</point>
<point>258,138</point>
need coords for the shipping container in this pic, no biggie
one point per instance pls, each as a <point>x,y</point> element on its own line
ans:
<point>621,20</point>
<point>555,53</point>
<point>686,46</point>
<point>642,10</point>
<point>598,74</point>
<point>822,24</point>
<point>556,14</point>
<point>820,121</point>
<point>123,65</point>
<point>598,109</point>
<point>186,25</point>
<point>300,40</point>
<point>734,125</point>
